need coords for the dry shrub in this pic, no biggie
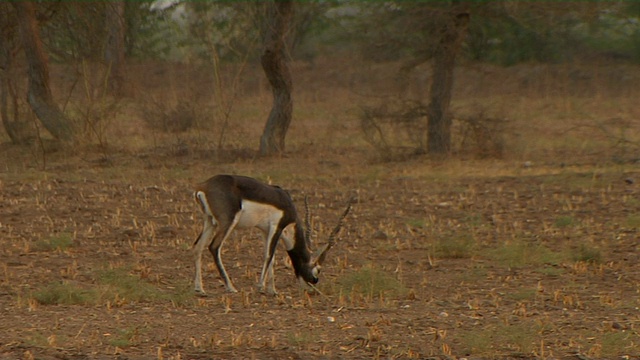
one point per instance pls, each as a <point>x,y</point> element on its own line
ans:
<point>90,107</point>
<point>396,129</point>
<point>481,136</point>
<point>170,117</point>
<point>93,117</point>
<point>619,136</point>
<point>20,126</point>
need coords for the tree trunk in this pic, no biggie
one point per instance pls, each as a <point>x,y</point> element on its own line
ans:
<point>9,121</point>
<point>115,47</point>
<point>276,67</point>
<point>452,34</point>
<point>39,94</point>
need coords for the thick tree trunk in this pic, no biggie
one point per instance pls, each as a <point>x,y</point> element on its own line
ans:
<point>439,127</point>
<point>6,62</point>
<point>115,47</point>
<point>14,126</point>
<point>39,94</point>
<point>276,67</point>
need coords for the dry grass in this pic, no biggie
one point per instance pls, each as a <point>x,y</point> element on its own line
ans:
<point>527,256</point>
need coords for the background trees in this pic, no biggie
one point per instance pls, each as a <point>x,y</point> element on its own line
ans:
<point>40,96</point>
<point>276,66</point>
<point>114,49</point>
<point>98,38</point>
<point>451,32</point>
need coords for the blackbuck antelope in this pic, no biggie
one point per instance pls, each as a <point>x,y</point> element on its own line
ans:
<point>229,201</point>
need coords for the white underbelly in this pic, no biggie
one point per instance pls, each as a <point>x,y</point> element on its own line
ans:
<point>255,214</point>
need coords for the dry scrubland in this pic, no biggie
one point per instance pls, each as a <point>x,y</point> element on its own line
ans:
<point>533,254</point>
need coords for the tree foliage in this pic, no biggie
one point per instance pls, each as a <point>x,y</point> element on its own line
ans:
<point>407,33</point>
<point>508,33</point>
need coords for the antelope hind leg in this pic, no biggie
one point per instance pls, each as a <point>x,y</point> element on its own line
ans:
<point>203,241</point>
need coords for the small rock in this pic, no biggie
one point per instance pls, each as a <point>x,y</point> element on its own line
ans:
<point>167,231</point>
<point>129,234</point>
<point>380,235</point>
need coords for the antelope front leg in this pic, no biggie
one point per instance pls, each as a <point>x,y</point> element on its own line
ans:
<point>267,283</point>
<point>271,241</point>
<point>271,283</point>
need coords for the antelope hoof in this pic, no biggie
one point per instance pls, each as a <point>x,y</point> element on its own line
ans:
<point>201,293</point>
<point>267,291</point>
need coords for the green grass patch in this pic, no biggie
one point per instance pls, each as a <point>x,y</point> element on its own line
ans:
<point>576,181</point>
<point>64,293</point>
<point>564,221</point>
<point>473,220</point>
<point>60,242</point>
<point>114,286</point>
<point>416,223</point>
<point>477,342</point>
<point>523,295</point>
<point>124,337</point>
<point>519,253</point>
<point>301,339</point>
<point>456,247</point>
<point>493,341</point>
<point>614,344</point>
<point>632,221</point>
<point>476,273</point>
<point>372,283</point>
<point>588,254</point>
<point>632,202</point>
<point>38,339</point>
<point>551,271</point>
<point>118,284</point>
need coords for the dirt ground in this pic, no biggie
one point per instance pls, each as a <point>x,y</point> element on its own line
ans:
<point>543,264</point>
<point>531,255</point>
